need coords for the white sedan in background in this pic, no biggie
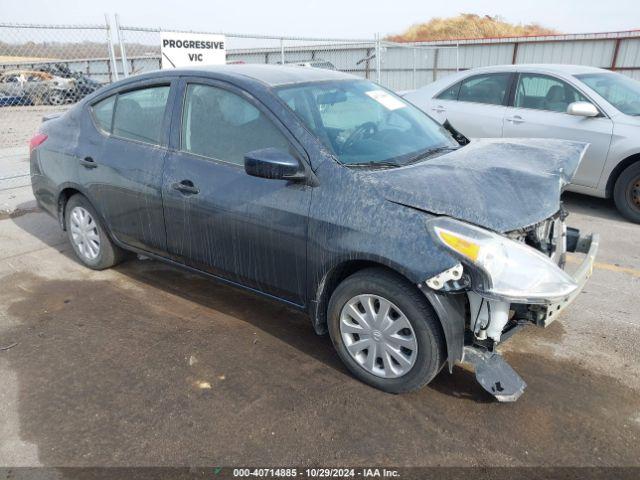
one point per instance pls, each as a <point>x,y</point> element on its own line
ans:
<point>569,102</point>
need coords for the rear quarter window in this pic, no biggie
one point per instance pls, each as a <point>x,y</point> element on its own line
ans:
<point>103,113</point>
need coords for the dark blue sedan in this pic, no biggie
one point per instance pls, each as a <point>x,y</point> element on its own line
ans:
<point>411,245</point>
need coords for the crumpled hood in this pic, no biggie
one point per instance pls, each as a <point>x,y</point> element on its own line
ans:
<point>500,184</point>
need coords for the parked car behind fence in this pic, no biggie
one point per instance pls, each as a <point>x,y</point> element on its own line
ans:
<point>45,85</point>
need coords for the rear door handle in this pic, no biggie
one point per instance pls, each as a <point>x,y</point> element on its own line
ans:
<point>186,186</point>
<point>88,162</point>
<point>515,119</point>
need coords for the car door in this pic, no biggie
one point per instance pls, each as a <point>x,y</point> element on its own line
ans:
<point>475,106</point>
<point>249,230</point>
<point>121,162</point>
<point>539,111</point>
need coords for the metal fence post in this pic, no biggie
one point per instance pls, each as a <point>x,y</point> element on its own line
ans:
<point>378,53</point>
<point>282,50</point>
<point>457,56</point>
<point>434,70</point>
<point>112,54</point>
<point>123,52</point>
<point>414,68</point>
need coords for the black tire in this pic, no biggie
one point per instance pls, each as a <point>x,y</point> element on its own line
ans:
<point>626,193</point>
<point>431,351</point>
<point>109,254</point>
<point>56,98</point>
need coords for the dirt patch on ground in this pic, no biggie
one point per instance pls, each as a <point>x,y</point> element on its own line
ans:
<point>180,370</point>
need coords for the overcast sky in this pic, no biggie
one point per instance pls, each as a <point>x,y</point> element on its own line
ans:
<point>324,18</point>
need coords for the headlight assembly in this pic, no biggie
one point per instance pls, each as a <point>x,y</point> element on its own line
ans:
<point>504,269</point>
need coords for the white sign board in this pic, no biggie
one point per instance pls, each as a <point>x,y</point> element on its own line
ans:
<point>191,49</point>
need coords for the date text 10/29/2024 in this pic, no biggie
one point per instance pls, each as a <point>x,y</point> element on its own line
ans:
<point>315,472</point>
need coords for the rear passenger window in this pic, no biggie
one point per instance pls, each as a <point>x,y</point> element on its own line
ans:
<point>222,125</point>
<point>103,113</point>
<point>450,93</point>
<point>489,88</point>
<point>139,114</point>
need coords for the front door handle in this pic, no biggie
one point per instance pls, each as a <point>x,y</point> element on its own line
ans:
<point>438,108</point>
<point>88,162</point>
<point>186,186</point>
<point>515,119</point>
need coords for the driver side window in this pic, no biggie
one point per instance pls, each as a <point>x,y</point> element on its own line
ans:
<point>541,92</point>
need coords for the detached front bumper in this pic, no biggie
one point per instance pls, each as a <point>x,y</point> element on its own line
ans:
<point>588,244</point>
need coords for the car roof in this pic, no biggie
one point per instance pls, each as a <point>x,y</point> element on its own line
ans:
<point>272,75</point>
<point>549,68</point>
<point>541,67</point>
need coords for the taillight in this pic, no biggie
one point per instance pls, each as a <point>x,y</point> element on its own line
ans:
<point>36,141</point>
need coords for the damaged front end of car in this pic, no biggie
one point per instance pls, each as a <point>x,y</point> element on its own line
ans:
<point>505,276</point>
<point>509,280</point>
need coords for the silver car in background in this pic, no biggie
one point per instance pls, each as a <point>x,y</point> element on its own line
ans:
<point>568,102</point>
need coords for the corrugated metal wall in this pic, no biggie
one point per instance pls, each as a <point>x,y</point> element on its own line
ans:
<point>408,66</point>
<point>619,51</point>
<point>629,57</point>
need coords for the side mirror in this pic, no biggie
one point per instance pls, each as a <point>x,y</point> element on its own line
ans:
<point>272,163</point>
<point>582,109</point>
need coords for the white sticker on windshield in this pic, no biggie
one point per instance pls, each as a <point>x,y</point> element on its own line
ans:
<point>387,101</point>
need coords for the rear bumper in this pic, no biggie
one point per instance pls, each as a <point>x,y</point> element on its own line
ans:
<point>588,244</point>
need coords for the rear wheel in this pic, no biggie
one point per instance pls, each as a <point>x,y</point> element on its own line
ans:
<point>626,192</point>
<point>385,331</point>
<point>89,239</point>
<point>56,97</point>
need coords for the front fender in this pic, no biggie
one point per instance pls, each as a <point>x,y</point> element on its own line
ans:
<point>325,278</point>
<point>451,310</point>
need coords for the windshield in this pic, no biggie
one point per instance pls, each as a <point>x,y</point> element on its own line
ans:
<point>620,91</point>
<point>362,124</point>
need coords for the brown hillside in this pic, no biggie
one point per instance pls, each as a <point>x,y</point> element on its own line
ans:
<point>467,25</point>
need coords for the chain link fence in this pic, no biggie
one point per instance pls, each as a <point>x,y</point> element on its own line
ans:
<point>394,65</point>
<point>43,69</point>
<point>142,47</point>
<point>46,68</point>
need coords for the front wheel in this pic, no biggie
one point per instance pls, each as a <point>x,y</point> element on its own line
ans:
<point>626,192</point>
<point>385,331</point>
<point>89,239</point>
